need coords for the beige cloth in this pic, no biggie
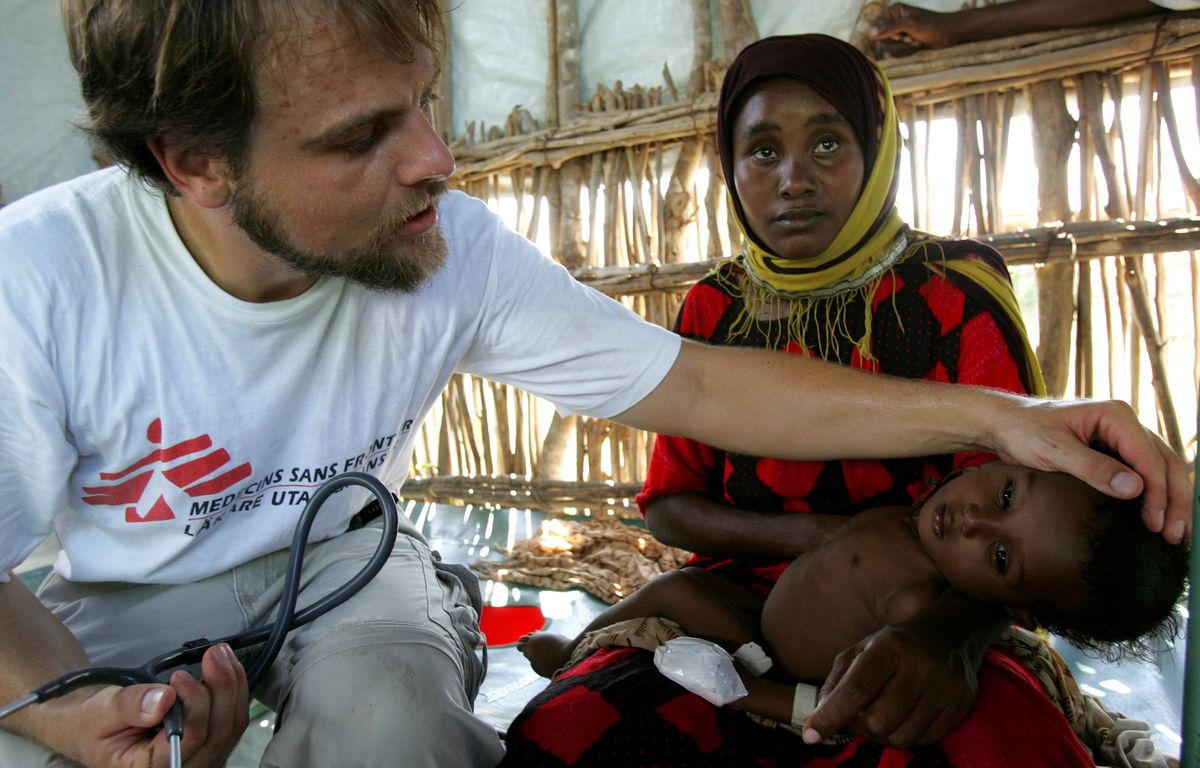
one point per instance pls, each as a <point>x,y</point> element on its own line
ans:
<point>605,557</point>
<point>646,633</point>
<point>1113,739</point>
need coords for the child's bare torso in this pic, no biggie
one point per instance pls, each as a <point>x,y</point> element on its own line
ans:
<point>869,573</point>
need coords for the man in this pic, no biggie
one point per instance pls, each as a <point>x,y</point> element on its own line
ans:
<point>273,284</point>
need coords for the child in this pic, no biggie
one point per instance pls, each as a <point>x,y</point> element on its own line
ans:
<point>1045,546</point>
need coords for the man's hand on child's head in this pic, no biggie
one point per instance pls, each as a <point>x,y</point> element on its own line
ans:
<point>1056,436</point>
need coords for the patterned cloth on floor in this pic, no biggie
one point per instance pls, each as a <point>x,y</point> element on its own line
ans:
<point>604,557</point>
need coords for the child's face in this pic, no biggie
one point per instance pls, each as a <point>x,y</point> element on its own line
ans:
<point>1010,536</point>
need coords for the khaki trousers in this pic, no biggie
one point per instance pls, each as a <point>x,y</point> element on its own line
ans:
<point>386,679</point>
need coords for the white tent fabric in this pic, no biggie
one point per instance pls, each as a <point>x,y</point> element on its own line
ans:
<point>39,101</point>
<point>500,48</point>
<point>499,56</point>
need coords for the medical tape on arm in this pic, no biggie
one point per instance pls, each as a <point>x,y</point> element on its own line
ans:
<point>803,703</point>
<point>754,658</point>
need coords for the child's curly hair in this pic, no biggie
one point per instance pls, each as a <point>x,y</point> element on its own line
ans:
<point>1134,581</point>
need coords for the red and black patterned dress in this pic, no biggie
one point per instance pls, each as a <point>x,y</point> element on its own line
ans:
<point>616,709</point>
<point>924,327</point>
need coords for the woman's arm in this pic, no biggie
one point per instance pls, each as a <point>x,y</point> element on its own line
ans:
<point>698,524</point>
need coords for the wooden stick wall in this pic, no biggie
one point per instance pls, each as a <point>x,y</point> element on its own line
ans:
<point>614,183</point>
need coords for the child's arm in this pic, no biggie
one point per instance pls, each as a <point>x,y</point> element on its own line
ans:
<point>767,698</point>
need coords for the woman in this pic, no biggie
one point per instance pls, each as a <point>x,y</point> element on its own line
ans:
<point>809,144</point>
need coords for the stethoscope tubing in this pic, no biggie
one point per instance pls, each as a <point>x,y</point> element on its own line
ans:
<point>273,635</point>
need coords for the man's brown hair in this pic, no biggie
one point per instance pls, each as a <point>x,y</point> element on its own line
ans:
<point>187,68</point>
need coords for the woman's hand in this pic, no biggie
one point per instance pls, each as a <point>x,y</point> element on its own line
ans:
<point>909,683</point>
<point>896,688</point>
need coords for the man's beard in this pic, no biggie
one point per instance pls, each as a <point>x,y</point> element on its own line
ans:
<point>386,262</point>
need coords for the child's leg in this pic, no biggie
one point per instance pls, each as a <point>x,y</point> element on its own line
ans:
<point>702,604</point>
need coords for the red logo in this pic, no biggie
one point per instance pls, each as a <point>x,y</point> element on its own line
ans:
<point>194,476</point>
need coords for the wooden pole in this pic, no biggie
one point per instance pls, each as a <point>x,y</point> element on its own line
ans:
<point>595,180</point>
<point>1109,318</point>
<point>1163,83</point>
<point>552,463</point>
<point>1194,264</point>
<point>1139,295</point>
<point>907,113</point>
<point>443,108</point>
<point>1084,342</point>
<point>679,207</point>
<point>1053,137</point>
<point>960,168</point>
<point>570,252</point>
<point>737,26</point>
<point>612,197</point>
<point>1191,683</point>
<point>636,172</point>
<point>702,47</point>
<point>714,200</point>
<point>1144,316</point>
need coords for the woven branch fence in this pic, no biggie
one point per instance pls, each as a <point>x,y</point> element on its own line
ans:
<point>614,186</point>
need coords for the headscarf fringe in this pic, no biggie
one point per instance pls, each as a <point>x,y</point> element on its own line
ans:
<point>820,326</point>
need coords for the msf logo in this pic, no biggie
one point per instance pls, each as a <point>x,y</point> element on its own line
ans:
<point>188,465</point>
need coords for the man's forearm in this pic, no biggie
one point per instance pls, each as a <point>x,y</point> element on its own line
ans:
<point>795,407</point>
<point>1021,16</point>
<point>35,647</point>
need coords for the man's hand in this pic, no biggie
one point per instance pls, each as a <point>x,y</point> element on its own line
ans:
<point>1054,435</point>
<point>117,727</point>
<point>903,30</point>
<point>898,687</point>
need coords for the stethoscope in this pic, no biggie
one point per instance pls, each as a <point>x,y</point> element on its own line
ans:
<point>273,635</point>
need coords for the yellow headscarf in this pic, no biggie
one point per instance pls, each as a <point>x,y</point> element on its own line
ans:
<point>817,295</point>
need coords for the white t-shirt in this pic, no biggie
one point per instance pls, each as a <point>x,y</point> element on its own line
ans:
<point>169,431</point>
<point>1178,5</point>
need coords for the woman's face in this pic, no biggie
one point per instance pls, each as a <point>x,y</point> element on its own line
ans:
<point>798,169</point>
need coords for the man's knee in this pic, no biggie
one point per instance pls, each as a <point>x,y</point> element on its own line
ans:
<point>367,705</point>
